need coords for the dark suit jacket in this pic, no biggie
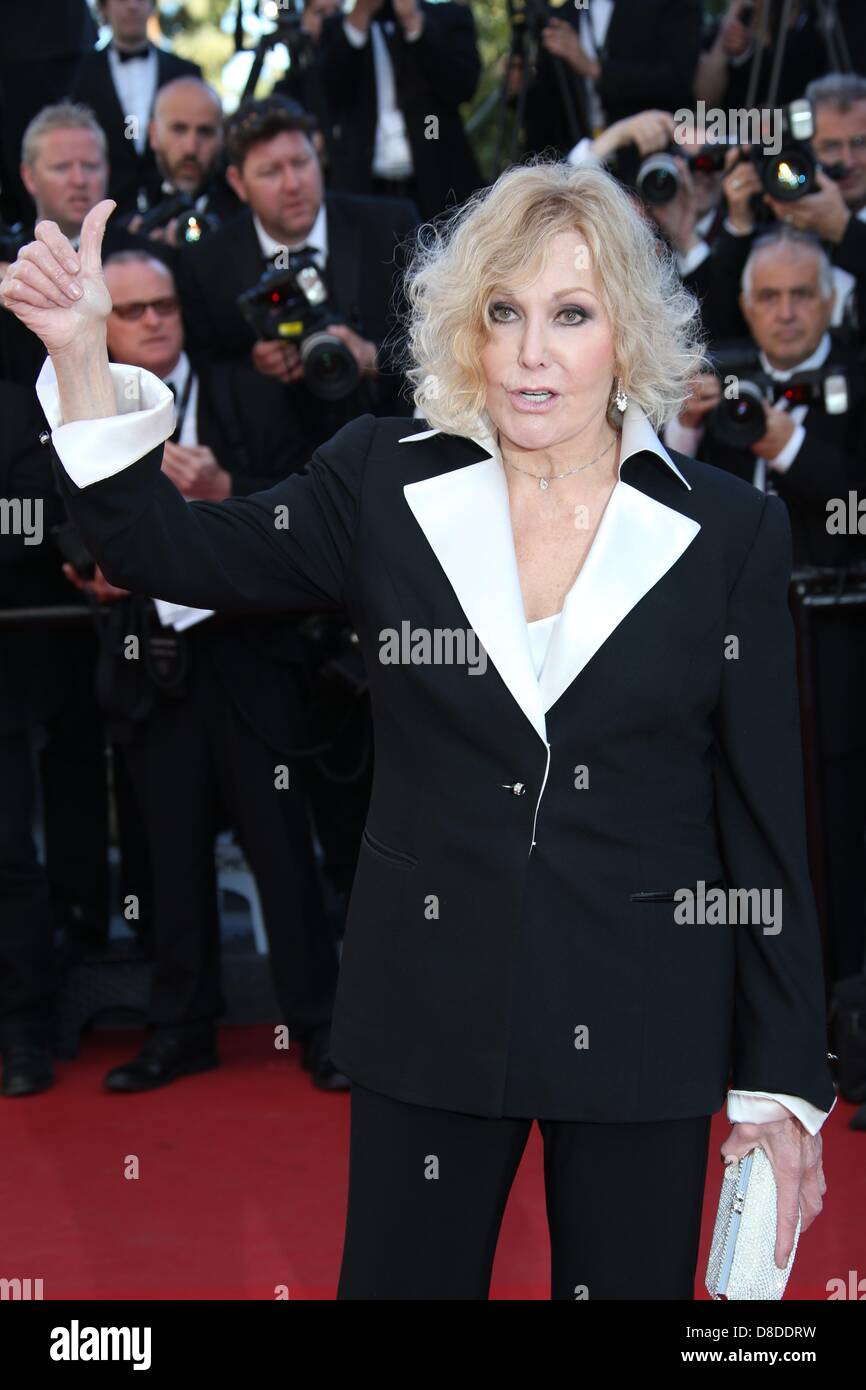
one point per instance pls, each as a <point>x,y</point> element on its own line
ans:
<point>477,839</point>
<point>129,170</point>
<point>649,60</point>
<point>242,416</point>
<point>365,250</point>
<point>39,667</point>
<point>831,463</point>
<point>432,77</point>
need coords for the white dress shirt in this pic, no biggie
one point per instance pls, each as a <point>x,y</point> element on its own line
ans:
<point>91,450</point>
<point>592,33</point>
<point>317,239</point>
<point>135,84</point>
<point>392,153</point>
<point>180,615</point>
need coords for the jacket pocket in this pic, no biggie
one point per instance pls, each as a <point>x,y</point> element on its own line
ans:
<point>382,851</point>
<point>668,895</point>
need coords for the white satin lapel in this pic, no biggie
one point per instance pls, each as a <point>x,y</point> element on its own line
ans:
<point>637,542</point>
<point>466,518</point>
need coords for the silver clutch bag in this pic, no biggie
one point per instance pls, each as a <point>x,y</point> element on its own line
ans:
<point>741,1263</point>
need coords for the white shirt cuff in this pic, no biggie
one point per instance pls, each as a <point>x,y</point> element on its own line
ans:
<point>785,457</point>
<point>686,439</point>
<point>355,36</point>
<point>729,227</point>
<point>582,153</point>
<point>758,1107</point>
<point>91,450</point>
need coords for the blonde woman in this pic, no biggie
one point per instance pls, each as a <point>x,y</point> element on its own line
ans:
<point>581,666</point>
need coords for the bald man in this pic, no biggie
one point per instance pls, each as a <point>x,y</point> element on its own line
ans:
<point>186,137</point>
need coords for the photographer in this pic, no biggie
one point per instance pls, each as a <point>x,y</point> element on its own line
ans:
<point>230,709</point>
<point>64,168</point>
<point>46,679</point>
<point>394,73</point>
<point>689,210</point>
<point>809,457</point>
<point>621,57</point>
<point>186,136</point>
<point>274,169</point>
<point>724,67</point>
<point>119,83</point>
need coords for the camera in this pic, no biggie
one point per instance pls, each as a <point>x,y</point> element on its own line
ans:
<point>740,421</point>
<point>12,240</point>
<point>787,176</point>
<point>291,305</point>
<point>192,221</point>
<point>792,173</point>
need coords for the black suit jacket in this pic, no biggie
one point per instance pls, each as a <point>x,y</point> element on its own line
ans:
<point>243,417</point>
<point>830,462</point>
<point>649,59</point>
<point>479,852</point>
<point>129,170</point>
<point>366,246</point>
<point>40,667</point>
<point>432,77</point>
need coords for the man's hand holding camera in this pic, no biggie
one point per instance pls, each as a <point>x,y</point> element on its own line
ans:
<point>408,14</point>
<point>705,395</point>
<point>780,427</point>
<point>825,213</point>
<point>276,358</point>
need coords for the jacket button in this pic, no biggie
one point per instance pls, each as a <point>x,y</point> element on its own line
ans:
<point>44,437</point>
<point>516,788</point>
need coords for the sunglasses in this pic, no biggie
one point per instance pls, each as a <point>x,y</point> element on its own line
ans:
<point>165,307</point>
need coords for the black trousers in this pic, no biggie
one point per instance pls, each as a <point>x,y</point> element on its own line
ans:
<point>192,755</point>
<point>428,1188</point>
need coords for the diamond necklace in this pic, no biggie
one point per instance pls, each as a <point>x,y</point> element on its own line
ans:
<point>544,483</point>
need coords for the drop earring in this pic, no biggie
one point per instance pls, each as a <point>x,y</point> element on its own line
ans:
<point>620,398</point>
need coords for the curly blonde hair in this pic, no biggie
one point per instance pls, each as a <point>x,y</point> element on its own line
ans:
<point>502,234</point>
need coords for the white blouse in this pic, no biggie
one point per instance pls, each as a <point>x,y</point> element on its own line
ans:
<point>540,633</point>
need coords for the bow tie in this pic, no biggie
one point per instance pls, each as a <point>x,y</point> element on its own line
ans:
<point>130,57</point>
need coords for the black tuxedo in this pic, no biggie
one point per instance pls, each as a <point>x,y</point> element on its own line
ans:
<point>432,77</point>
<point>362,274</point>
<point>496,908</point>
<point>241,713</point>
<point>129,170</point>
<point>829,463</point>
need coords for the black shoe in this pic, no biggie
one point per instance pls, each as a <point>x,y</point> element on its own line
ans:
<point>166,1055</point>
<point>315,1059</point>
<point>27,1069</point>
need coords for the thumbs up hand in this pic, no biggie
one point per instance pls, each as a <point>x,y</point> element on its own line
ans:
<point>59,293</point>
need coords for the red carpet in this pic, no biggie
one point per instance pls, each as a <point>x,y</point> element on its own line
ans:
<point>242,1186</point>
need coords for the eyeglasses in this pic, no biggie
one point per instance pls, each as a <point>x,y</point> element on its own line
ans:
<point>165,307</point>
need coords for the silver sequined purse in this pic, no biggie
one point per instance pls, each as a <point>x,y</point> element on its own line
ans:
<point>741,1263</point>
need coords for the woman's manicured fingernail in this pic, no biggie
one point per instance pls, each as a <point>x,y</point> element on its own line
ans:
<point>72,266</point>
<point>74,291</point>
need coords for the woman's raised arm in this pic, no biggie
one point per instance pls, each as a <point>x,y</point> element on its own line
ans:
<point>287,547</point>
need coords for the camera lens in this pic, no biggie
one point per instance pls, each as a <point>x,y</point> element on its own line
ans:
<point>658,179</point>
<point>789,175</point>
